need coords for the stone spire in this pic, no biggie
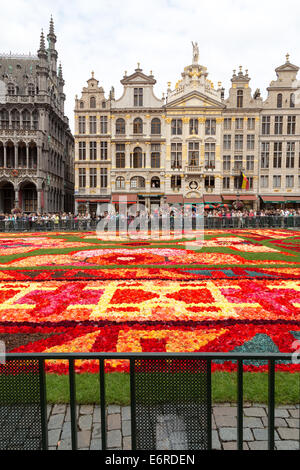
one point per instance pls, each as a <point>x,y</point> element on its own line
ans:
<point>51,36</point>
<point>42,53</point>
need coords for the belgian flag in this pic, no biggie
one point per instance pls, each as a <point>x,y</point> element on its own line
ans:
<point>244,182</point>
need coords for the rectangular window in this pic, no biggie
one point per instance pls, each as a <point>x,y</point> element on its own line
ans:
<point>155,155</point>
<point>277,155</point>
<point>82,151</point>
<point>250,141</point>
<point>250,179</point>
<point>226,182</point>
<point>210,127</point>
<point>93,177</point>
<point>93,125</point>
<point>238,142</point>
<point>81,125</point>
<point>193,155</point>
<point>226,163</point>
<point>138,96</point>
<point>193,126</point>
<point>103,124</point>
<point>238,162</point>
<point>82,178</point>
<point>290,154</point>
<point>176,156</point>
<point>276,181</point>
<point>210,155</point>
<point>266,120</point>
<point>251,124</point>
<point>289,181</point>
<point>236,182</point>
<point>227,124</point>
<point>265,155</point>
<point>239,123</point>
<point>250,163</point>
<point>176,126</point>
<point>120,156</point>
<point>93,150</point>
<point>291,125</point>
<point>103,177</point>
<point>103,150</point>
<point>278,125</point>
<point>227,142</point>
<point>264,181</point>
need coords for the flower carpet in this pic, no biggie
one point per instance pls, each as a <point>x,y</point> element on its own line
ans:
<point>237,290</point>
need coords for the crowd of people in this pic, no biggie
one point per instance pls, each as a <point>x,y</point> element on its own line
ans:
<point>214,217</point>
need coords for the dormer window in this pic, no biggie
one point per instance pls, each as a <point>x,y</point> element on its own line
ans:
<point>279,100</point>
<point>292,100</point>
<point>11,89</point>
<point>81,105</point>
<point>138,96</point>
<point>240,97</point>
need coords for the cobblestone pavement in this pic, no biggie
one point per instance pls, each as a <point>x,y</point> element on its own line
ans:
<point>224,422</point>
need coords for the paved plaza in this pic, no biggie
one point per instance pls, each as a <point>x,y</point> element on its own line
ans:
<point>224,424</point>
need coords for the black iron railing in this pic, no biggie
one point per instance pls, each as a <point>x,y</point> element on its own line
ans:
<point>156,379</point>
<point>292,222</point>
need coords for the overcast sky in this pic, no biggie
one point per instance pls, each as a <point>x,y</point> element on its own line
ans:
<point>111,36</point>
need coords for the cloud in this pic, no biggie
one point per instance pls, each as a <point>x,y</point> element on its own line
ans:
<point>111,36</point>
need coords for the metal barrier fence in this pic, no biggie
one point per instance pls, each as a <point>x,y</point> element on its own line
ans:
<point>160,384</point>
<point>292,222</point>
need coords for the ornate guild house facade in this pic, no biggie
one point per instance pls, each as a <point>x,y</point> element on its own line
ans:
<point>36,144</point>
<point>192,146</point>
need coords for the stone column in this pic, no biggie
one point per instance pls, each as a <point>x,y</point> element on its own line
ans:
<point>39,206</point>
<point>16,197</point>
<point>27,155</point>
<point>16,156</point>
<point>5,156</point>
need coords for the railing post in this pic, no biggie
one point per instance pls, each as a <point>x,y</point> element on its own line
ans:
<point>73,404</point>
<point>271,403</point>
<point>102,404</point>
<point>132,404</point>
<point>209,410</point>
<point>43,398</point>
<point>240,405</point>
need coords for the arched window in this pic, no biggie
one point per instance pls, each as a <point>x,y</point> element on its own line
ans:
<point>137,126</point>
<point>120,182</point>
<point>31,89</point>
<point>155,126</point>
<point>137,158</point>
<point>11,89</point>
<point>15,119</point>
<point>92,102</point>
<point>137,182</point>
<point>35,120</point>
<point>240,96</point>
<point>81,105</point>
<point>292,100</point>
<point>26,119</point>
<point>4,119</point>
<point>279,100</point>
<point>120,126</point>
<point>155,182</point>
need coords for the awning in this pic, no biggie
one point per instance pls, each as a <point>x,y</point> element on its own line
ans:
<point>178,199</point>
<point>124,198</point>
<point>193,200</point>
<point>212,198</point>
<point>273,199</point>
<point>227,197</point>
<point>295,199</point>
<point>248,197</point>
<point>242,197</point>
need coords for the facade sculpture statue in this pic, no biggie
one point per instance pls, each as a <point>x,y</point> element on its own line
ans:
<point>195,52</point>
